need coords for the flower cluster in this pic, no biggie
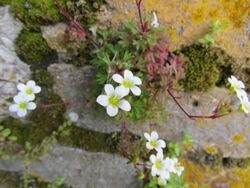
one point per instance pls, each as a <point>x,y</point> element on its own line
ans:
<point>238,87</point>
<point>161,167</point>
<point>113,100</point>
<point>23,100</point>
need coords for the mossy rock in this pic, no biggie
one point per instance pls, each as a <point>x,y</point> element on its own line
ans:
<point>207,66</point>
<point>41,122</point>
<point>34,13</point>
<point>31,47</point>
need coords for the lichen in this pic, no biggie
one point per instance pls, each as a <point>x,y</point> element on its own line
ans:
<point>31,47</point>
<point>34,13</point>
<point>206,67</point>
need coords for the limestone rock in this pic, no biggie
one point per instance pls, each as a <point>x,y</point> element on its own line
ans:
<point>228,134</point>
<point>12,69</point>
<point>82,169</point>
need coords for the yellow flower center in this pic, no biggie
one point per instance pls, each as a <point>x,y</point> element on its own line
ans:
<point>22,105</point>
<point>127,84</point>
<point>28,91</point>
<point>113,100</point>
<point>158,164</point>
<point>177,166</point>
<point>153,143</point>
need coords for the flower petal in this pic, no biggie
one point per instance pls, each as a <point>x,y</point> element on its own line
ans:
<point>102,100</point>
<point>124,105</point>
<point>117,78</point>
<point>18,98</point>
<point>154,135</point>
<point>152,158</point>
<point>148,146</point>
<point>161,143</point>
<point>37,89</point>
<point>137,80</point>
<point>13,108</point>
<point>109,89</point>
<point>21,112</point>
<point>147,136</point>
<point>31,106</point>
<point>128,74</point>
<point>21,87</point>
<point>26,97</point>
<point>31,83</point>
<point>121,91</point>
<point>112,110</point>
<point>136,90</point>
<point>153,171</point>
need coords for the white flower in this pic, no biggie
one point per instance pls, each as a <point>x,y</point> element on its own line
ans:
<point>245,105</point>
<point>242,95</point>
<point>21,106</point>
<point>176,168</point>
<point>236,84</point>
<point>159,166</point>
<point>153,142</point>
<point>73,116</point>
<point>113,100</point>
<point>29,90</point>
<point>155,22</point>
<point>129,82</point>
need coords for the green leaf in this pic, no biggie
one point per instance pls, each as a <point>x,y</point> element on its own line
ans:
<point>6,133</point>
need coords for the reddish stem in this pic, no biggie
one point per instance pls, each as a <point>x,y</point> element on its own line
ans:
<point>214,116</point>
<point>45,106</point>
<point>74,23</point>
<point>138,4</point>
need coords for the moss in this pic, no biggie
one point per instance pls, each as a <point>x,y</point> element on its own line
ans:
<point>89,140</point>
<point>82,56</point>
<point>85,11</point>
<point>43,78</point>
<point>206,67</point>
<point>31,47</point>
<point>5,2</point>
<point>34,13</point>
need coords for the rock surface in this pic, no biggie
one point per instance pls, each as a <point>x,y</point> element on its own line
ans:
<point>185,22</point>
<point>70,82</point>
<point>12,69</point>
<point>81,169</point>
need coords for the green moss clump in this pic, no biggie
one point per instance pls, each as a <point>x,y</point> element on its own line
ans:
<point>43,78</point>
<point>85,11</point>
<point>31,47</point>
<point>206,67</point>
<point>34,13</point>
<point>5,2</point>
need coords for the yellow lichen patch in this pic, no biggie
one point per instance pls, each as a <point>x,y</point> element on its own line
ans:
<point>210,149</point>
<point>213,13</point>
<point>238,138</point>
<point>193,17</point>
<point>197,175</point>
<point>198,14</point>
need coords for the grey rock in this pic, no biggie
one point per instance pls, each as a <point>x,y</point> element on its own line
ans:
<point>70,81</point>
<point>12,69</point>
<point>82,169</point>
